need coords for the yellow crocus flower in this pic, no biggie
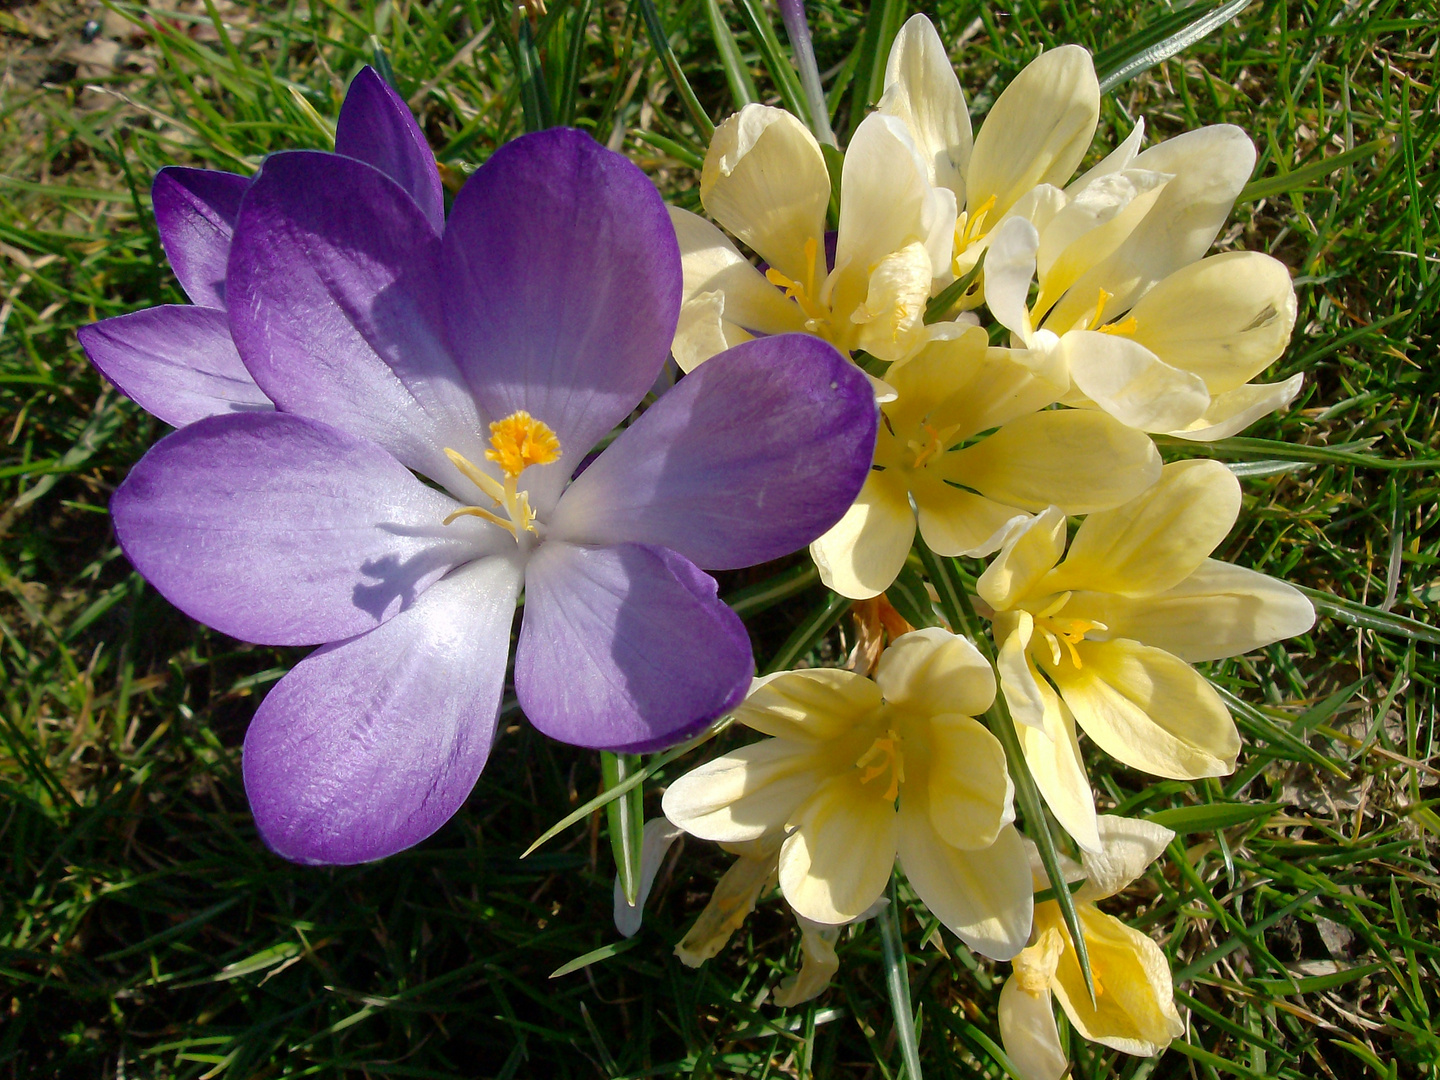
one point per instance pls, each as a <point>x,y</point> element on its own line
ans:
<point>1105,638</point>
<point>1134,1008</point>
<point>857,773</point>
<point>965,488</point>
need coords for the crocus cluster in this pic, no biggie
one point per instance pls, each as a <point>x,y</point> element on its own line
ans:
<point>387,418</point>
<point>1110,324</point>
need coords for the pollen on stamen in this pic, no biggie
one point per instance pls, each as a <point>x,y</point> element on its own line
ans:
<point>519,441</point>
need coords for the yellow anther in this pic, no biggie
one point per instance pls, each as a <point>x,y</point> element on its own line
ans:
<point>975,228</point>
<point>882,757</point>
<point>924,452</point>
<point>1124,326</point>
<point>519,441</point>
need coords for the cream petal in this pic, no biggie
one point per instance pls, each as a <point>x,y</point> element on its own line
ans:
<point>733,899</point>
<point>1127,847</point>
<point>1009,269</point>
<point>837,861</point>
<point>1156,540</point>
<point>1148,709</point>
<point>921,91</point>
<point>746,793</point>
<point>1093,223</point>
<point>863,552</point>
<point>1117,159</point>
<point>1131,383</point>
<point>892,316</point>
<point>958,382</point>
<point>970,794</point>
<point>1076,459</point>
<point>657,837</point>
<point>1030,550</point>
<point>956,522</point>
<point>933,671</point>
<point>1225,318</point>
<point>1210,166</point>
<point>702,331</point>
<point>818,965</point>
<point>1233,411</point>
<point>813,706</point>
<point>747,304</point>
<point>983,897</point>
<point>1220,610</point>
<point>1135,1007</point>
<point>1029,1034</point>
<point>1038,130</point>
<point>1018,682</point>
<point>1053,754</point>
<point>765,180</point>
<point>889,203</point>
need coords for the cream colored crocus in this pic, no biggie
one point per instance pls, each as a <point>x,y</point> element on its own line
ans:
<point>857,773</point>
<point>1035,135</point>
<point>1134,1007</point>
<point>966,488</point>
<point>1148,330</point>
<point>1104,638</point>
<point>765,181</point>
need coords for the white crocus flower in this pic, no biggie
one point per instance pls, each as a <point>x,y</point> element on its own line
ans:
<point>857,773</point>
<point>765,181</point>
<point>1148,330</point>
<point>1034,136</point>
<point>1105,638</point>
<point>965,489</point>
<point>1134,1008</point>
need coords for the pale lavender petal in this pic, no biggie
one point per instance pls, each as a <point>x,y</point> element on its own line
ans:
<point>335,309</point>
<point>377,127</point>
<point>752,455</point>
<point>280,530</point>
<point>195,211</point>
<point>370,745</point>
<point>175,361</point>
<point>562,288</point>
<point>626,647</point>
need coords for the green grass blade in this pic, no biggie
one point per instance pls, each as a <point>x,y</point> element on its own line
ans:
<point>808,634</point>
<point>1177,42</point>
<point>881,26</point>
<point>660,42</point>
<point>737,75</point>
<point>772,56</point>
<point>897,983</point>
<point>625,816</point>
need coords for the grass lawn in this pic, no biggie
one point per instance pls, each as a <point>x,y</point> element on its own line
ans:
<point>146,932</point>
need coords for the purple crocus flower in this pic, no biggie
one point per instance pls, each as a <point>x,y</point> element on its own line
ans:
<point>539,319</point>
<point>177,361</point>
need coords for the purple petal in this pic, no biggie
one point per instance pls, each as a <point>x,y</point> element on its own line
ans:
<point>626,647</point>
<point>370,745</point>
<point>175,361</point>
<point>377,127</point>
<point>562,286</point>
<point>336,309</point>
<point>280,530</point>
<point>195,211</point>
<point>751,456</point>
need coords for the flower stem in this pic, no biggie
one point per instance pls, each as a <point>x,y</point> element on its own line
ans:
<point>897,981</point>
<point>626,819</point>
<point>956,606</point>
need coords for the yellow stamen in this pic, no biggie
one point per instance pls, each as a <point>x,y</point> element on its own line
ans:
<point>1055,629</point>
<point>803,293</point>
<point>970,230</point>
<point>882,757</point>
<point>519,440</point>
<point>1124,326</point>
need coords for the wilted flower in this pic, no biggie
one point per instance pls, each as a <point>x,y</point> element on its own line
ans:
<point>1106,637</point>
<point>966,486</point>
<point>178,361</point>
<point>543,319</point>
<point>1134,1008</point>
<point>859,772</point>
